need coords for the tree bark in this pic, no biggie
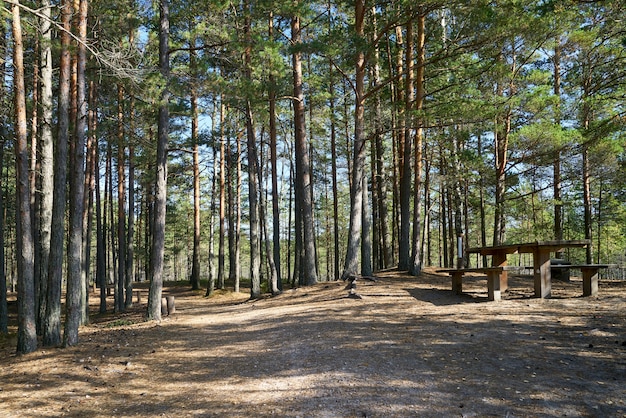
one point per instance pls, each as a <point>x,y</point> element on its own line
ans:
<point>52,323</point>
<point>558,204</point>
<point>416,258</point>
<point>222,215</point>
<point>253,161</point>
<point>195,259</point>
<point>358,166</point>
<point>121,203</point>
<point>76,285</point>
<point>46,156</point>
<point>26,332</point>
<point>308,270</point>
<point>4,307</point>
<point>130,240</point>
<point>274,166</point>
<point>405,173</point>
<point>158,240</point>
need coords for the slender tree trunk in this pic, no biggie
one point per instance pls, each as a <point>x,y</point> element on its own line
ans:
<point>366,241</point>
<point>158,240</point>
<point>333,153</point>
<point>26,332</point>
<point>100,229</point>
<point>121,203</point>
<point>4,307</point>
<point>274,165</point>
<point>46,156</point>
<point>52,323</point>
<point>130,240</point>
<point>211,285</point>
<point>90,186</point>
<point>303,166</point>
<point>253,161</point>
<point>76,286</point>
<point>222,235</point>
<point>195,263</point>
<point>558,204</point>
<point>273,273</point>
<point>358,167</point>
<point>416,258</point>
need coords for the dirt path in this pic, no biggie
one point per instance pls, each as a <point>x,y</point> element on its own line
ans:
<point>409,347</point>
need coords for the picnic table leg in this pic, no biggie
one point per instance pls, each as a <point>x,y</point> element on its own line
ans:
<point>542,276</point>
<point>457,286</point>
<point>494,283</point>
<point>499,260</point>
<point>590,281</point>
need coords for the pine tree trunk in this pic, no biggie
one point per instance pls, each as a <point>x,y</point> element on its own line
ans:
<point>52,322</point>
<point>253,161</point>
<point>333,154</point>
<point>130,240</point>
<point>558,204</point>
<point>405,173</point>
<point>121,203</point>
<point>46,158</point>
<point>195,258</point>
<point>366,241</point>
<point>303,165</point>
<point>358,166</point>
<point>221,260</point>
<point>76,286</point>
<point>4,307</point>
<point>211,282</point>
<point>158,239</point>
<point>416,257</point>
<point>26,332</point>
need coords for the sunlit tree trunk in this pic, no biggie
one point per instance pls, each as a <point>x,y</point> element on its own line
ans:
<point>221,257</point>
<point>76,285</point>
<point>358,166</point>
<point>158,237</point>
<point>121,202</point>
<point>46,157</point>
<point>52,323</point>
<point>558,204</point>
<point>416,257</point>
<point>130,240</point>
<point>195,263</point>
<point>4,307</point>
<point>304,204</point>
<point>26,331</point>
<point>253,161</point>
<point>274,166</point>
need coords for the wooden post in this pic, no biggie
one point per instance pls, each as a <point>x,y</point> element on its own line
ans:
<point>542,276</point>
<point>494,283</point>
<point>163,306</point>
<point>171,307</point>
<point>590,281</point>
<point>457,285</point>
<point>499,260</point>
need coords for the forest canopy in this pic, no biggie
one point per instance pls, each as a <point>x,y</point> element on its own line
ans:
<point>283,143</point>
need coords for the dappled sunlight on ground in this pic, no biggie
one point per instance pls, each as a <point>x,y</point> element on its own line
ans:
<point>408,347</point>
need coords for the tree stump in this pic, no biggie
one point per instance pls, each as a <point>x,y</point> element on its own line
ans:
<point>163,306</point>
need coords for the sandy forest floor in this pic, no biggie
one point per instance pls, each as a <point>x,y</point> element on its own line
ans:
<point>409,347</point>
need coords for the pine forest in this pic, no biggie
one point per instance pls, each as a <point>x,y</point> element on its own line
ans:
<point>266,145</point>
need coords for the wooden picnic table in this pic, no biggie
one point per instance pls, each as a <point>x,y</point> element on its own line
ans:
<point>541,251</point>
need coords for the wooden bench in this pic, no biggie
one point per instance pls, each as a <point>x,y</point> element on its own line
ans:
<point>496,281</point>
<point>589,273</point>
